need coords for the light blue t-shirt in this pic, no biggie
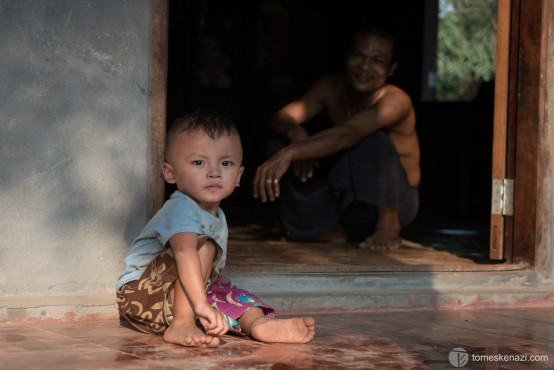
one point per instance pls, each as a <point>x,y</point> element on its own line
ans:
<point>179,214</point>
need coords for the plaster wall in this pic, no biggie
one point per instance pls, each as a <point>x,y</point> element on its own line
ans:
<point>74,122</point>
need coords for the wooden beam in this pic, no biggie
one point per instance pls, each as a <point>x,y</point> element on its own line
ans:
<point>500,119</point>
<point>158,104</point>
<point>543,249</point>
<point>529,102</point>
<point>512,119</point>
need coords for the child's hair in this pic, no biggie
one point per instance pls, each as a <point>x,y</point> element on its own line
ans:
<point>212,123</point>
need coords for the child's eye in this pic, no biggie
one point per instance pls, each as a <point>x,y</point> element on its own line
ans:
<point>226,163</point>
<point>198,162</point>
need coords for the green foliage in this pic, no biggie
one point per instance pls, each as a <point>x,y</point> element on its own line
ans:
<point>466,47</point>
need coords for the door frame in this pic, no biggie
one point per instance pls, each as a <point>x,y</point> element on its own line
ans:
<point>525,156</point>
<point>158,104</point>
<point>543,240</point>
<point>529,127</point>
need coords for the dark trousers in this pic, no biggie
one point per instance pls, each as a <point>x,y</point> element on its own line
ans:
<point>347,188</point>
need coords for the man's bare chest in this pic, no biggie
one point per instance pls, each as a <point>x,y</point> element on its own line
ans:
<point>337,112</point>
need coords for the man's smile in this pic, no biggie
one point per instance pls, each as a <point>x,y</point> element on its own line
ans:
<point>362,77</point>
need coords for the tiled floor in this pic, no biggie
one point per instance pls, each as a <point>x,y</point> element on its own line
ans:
<point>384,340</point>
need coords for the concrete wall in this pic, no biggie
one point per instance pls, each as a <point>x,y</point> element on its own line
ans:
<point>74,121</point>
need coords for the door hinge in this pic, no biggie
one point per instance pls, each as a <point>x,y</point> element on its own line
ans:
<point>502,202</point>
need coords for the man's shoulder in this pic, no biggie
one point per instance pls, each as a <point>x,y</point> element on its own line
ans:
<point>392,92</point>
<point>330,81</point>
<point>327,87</point>
<point>393,89</point>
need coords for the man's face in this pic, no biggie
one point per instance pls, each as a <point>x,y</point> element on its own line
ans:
<point>368,65</point>
<point>205,169</point>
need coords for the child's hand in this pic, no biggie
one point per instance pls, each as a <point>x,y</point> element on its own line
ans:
<point>219,331</point>
<point>212,320</point>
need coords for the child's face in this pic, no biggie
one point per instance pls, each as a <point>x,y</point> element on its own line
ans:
<point>205,169</point>
<point>368,65</point>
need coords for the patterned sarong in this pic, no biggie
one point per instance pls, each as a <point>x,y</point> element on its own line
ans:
<point>146,302</point>
<point>233,302</point>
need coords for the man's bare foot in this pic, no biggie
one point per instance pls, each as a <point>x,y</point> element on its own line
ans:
<point>382,240</point>
<point>296,330</point>
<point>189,335</point>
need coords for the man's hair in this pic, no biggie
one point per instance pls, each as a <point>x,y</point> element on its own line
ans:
<point>212,123</point>
<point>381,27</point>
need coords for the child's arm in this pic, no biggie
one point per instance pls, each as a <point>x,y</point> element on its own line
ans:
<point>193,276</point>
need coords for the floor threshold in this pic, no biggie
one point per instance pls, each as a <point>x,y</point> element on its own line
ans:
<point>348,268</point>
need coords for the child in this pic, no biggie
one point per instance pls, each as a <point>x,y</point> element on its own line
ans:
<point>173,268</point>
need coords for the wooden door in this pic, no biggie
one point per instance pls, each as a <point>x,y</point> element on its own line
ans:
<point>518,124</point>
<point>500,183</point>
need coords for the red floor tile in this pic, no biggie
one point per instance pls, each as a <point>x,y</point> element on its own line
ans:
<point>388,340</point>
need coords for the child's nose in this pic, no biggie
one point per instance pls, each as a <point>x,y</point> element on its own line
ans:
<point>214,172</point>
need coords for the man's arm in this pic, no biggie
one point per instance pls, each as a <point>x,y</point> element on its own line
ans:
<point>390,110</point>
<point>287,122</point>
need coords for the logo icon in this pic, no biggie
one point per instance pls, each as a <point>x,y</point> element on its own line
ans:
<point>458,357</point>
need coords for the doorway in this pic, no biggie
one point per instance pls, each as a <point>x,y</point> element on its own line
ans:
<point>249,60</point>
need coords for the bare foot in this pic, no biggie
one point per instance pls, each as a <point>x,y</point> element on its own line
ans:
<point>189,335</point>
<point>382,240</point>
<point>296,330</point>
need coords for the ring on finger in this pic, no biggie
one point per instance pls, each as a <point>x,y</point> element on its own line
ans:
<point>275,181</point>
<point>268,181</point>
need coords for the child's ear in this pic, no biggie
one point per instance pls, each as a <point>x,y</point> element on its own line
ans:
<point>237,184</point>
<point>169,174</point>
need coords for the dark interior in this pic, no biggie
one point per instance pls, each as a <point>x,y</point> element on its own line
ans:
<point>249,58</point>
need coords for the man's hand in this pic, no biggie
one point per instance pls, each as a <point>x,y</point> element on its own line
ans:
<point>268,174</point>
<point>211,319</point>
<point>304,168</point>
